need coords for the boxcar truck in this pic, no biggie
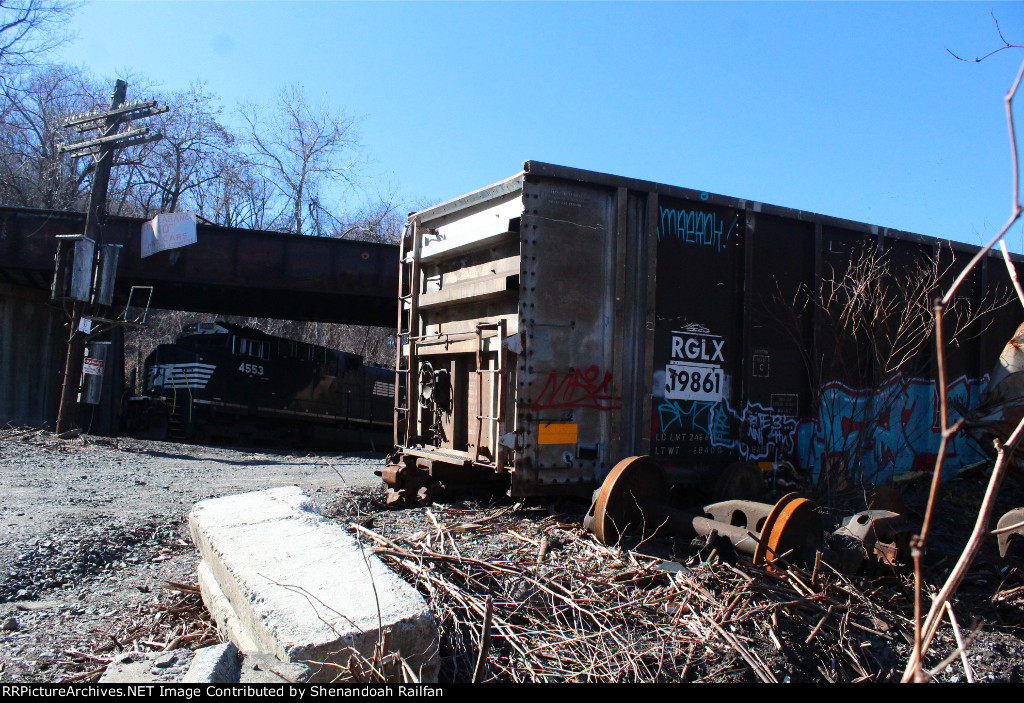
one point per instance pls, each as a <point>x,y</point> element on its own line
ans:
<point>559,321</point>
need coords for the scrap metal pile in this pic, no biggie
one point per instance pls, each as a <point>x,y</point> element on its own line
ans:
<point>545,601</point>
<point>734,590</point>
<point>635,498</point>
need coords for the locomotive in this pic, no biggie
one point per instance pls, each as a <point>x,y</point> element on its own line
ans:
<point>222,382</point>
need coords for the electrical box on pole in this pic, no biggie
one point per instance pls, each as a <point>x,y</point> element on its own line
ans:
<point>82,277</point>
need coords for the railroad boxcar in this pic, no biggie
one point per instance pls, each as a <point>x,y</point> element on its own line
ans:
<point>225,382</point>
<point>554,323</point>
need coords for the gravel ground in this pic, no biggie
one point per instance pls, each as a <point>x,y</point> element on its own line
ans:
<point>93,527</point>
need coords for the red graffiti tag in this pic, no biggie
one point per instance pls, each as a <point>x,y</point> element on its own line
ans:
<point>577,389</point>
<point>850,425</point>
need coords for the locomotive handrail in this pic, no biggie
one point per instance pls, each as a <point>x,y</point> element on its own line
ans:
<point>191,399</point>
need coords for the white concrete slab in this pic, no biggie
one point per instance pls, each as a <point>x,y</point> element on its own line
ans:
<point>217,664</point>
<point>228,626</point>
<point>303,588</point>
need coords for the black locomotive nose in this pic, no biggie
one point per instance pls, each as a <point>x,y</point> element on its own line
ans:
<point>228,383</point>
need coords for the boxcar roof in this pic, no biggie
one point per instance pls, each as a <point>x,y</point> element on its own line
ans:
<point>565,173</point>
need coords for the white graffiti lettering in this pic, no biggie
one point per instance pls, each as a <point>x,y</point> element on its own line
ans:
<point>703,348</point>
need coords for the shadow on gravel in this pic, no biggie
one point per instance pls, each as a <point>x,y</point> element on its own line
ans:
<point>186,456</point>
<point>260,456</point>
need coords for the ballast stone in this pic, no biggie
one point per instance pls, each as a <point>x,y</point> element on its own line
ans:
<point>217,664</point>
<point>148,667</point>
<point>299,586</point>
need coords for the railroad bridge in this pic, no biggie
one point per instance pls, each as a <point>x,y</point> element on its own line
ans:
<point>228,271</point>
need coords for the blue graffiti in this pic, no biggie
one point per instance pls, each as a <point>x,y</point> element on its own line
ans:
<point>720,434</point>
<point>894,429</point>
<point>761,433</point>
<point>694,414</point>
<point>695,227</point>
<point>889,430</point>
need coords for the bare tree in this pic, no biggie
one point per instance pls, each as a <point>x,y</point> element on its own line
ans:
<point>241,196</point>
<point>29,28</point>
<point>34,106</point>
<point>307,152</point>
<point>378,221</point>
<point>927,625</point>
<point>173,172</point>
<point>287,173</point>
<point>1006,45</point>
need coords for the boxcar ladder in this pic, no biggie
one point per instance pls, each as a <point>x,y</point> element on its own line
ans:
<point>407,330</point>
<point>498,419</point>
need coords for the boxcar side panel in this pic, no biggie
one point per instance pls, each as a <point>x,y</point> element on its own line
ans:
<point>641,318</point>
<point>777,391</point>
<point>567,386</point>
<point>697,352</point>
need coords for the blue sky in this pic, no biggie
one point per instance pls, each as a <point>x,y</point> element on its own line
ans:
<point>849,109</point>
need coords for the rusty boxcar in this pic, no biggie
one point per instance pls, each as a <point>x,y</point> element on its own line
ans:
<point>561,320</point>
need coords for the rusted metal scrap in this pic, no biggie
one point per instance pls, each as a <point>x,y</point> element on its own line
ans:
<point>631,501</point>
<point>1010,533</point>
<point>1002,404</point>
<point>634,500</point>
<point>871,536</point>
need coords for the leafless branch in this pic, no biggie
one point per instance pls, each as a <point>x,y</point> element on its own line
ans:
<point>29,28</point>
<point>925,630</point>
<point>593,613</point>
<point>1006,45</point>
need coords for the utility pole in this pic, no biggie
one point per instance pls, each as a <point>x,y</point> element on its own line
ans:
<point>103,148</point>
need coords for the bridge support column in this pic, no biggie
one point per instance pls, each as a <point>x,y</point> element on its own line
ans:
<point>32,345</point>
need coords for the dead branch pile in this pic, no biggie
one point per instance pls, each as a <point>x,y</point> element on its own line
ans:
<point>384,665</point>
<point>179,621</point>
<point>537,600</point>
<point>67,442</point>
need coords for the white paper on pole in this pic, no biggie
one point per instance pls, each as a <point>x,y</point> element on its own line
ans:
<point>168,231</point>
<point>85,325</point>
